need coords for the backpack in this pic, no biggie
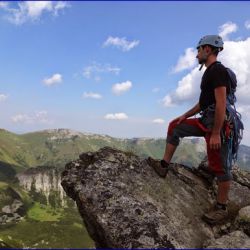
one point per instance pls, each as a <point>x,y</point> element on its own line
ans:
<point>233,119</point>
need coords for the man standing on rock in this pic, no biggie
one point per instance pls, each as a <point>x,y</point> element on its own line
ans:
<point>215,86</point>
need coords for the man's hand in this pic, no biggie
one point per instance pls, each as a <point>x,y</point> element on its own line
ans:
<point>215,141</point>
<point>179,119</point>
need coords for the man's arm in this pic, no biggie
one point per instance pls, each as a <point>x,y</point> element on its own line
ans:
<point>193,111</point>
<point>219,117</point>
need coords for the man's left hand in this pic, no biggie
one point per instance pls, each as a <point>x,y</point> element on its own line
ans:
<point>215,141</point>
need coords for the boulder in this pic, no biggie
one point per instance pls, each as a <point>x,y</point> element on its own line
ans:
<point>243,220</point>
<point>125,204</point>
<point>236,240</point>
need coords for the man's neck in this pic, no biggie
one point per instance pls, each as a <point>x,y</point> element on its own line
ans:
<point>210,60</point>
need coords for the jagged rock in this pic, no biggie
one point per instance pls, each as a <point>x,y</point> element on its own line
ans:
<point>13,212</point>
<point>16,207</point>
<point>124,203</point>
<point>243,220</point>
<point>236,239</point>
<point>44,180</point>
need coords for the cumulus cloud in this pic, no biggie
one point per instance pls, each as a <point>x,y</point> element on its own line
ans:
<point>93,70</point>
<point>186,61</point>
<point>236,56</point>
<point>37,117</point>
<point>247,24</point>
<point>245,111</point>
<point>159,121</point>
<point>120,88</point>
<point>121,43</point>
<point>56,78</point>
<point>3,97</point>
<point>91,95</point>
<point>4,5</point>
<point>116,116</point>
<point>226,29</point>
<point>32,10</point>
<point>188,88</point>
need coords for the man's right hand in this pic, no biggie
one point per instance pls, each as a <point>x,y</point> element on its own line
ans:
<point>179,119</point>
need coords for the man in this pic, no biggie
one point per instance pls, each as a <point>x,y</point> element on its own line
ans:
<point>214,90</point>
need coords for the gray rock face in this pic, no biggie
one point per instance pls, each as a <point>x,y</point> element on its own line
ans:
<point>13,212</point>
<point>124,203</point>
<point>234,240</point>
<point>42,180</point>
<point>15,207</point>
<point>243,220</point>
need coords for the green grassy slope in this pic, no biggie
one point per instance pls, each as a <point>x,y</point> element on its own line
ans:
<point>57,147</point>
<point>61,228</point>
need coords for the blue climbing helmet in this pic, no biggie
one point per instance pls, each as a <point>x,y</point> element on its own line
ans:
<point>213,40</point>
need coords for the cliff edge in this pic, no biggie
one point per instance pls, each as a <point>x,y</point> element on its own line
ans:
<point>124,204</point>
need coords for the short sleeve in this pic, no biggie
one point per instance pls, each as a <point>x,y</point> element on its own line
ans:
<point>219,76</point>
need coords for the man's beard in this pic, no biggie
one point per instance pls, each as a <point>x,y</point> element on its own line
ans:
<point>202,60</point>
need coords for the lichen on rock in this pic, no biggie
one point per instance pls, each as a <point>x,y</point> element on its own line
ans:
<point>124,204</point>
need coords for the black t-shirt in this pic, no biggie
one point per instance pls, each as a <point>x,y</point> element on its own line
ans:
<point>215,76</point>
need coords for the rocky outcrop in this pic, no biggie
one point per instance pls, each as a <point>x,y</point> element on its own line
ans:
<point>124,204</point>
<point>43,180</point>
<point>4,245</point>
<point>236,239</point>
<point>13,212</point>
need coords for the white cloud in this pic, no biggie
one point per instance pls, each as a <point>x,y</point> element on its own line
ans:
<point>33,10</point>
<point>247,24</point>
<point>3,97</point>
<point>120,88</point>
<point>56,78</point>
<point>186,61</point>
<point>188,88</point>
<point>226,29</point>
<point>4,5</point>
<point>60,5</point>
<point>236,56</point>
<point>168,100</point>
<point>21,118</point>
<point>92,95</point>
<point>116,116</point>
<point>37,117</point>
<point>93,70</point>
<point>121,43</point>
<point>245,111</point>
<point>159,121</point>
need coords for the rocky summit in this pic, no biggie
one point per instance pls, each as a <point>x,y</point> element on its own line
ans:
<point>125,204</point>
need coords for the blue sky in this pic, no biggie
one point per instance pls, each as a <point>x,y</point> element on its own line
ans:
<point>119,68</point>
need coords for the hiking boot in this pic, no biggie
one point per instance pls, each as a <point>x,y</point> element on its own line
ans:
<point>158,166</point>
<point>215,216</point>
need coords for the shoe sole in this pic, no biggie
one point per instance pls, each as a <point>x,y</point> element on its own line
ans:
<point>213,222</point>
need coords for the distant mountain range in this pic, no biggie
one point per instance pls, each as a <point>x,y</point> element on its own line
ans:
<point>30,167</point>
<point>59,146</point>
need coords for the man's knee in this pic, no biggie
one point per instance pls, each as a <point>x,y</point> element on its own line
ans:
<point>173,140</point>
<point>171,127</point>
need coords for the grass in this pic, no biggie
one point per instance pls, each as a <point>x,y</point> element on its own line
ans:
<point>45,235</point>
<point>66,231</point>
<point>39,212</point>
<point>3,184</point>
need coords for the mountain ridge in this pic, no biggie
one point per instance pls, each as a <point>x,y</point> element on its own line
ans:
<point>56,147</point>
